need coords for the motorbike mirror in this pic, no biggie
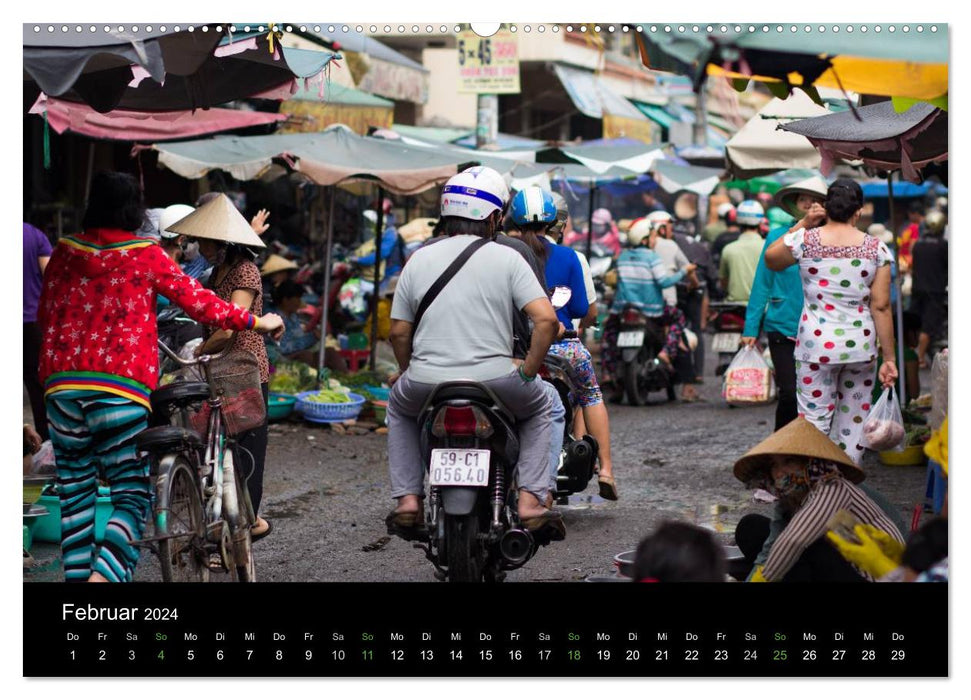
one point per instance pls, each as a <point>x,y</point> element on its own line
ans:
<point>561,296</point>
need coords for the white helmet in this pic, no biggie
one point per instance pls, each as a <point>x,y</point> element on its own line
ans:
<point>749,213</point>
<point>474,194</point>
<point>639,230</point>
<point>724,209</point>
<point>170,216</point>
<point>657,219</point>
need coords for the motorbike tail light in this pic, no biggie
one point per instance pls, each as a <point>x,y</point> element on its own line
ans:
<point>544,372</point>
<point>461,421</point>
<point>632,316</point>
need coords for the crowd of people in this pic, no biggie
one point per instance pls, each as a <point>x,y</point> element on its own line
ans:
<point>816,287</point>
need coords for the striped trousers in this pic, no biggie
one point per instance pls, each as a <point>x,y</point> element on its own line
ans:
<point>93,435</point>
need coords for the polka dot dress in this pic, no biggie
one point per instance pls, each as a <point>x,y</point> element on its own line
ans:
<point>836,344</point>
<point>836,325</point>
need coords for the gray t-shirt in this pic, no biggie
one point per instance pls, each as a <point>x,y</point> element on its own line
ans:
<point>467,331</point>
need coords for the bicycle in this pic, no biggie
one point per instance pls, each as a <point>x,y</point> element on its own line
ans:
<point>202,511</point>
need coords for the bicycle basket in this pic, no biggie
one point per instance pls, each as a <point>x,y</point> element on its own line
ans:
<point>236,379</point>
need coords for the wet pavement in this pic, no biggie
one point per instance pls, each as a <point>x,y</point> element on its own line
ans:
<point>327,496</point>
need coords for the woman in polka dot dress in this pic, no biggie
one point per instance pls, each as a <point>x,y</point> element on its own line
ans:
<point>845,319</point>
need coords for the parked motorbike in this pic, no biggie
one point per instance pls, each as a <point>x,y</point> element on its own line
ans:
<point>728,321</point>
<point>175,329</point>
<point>639,371</point>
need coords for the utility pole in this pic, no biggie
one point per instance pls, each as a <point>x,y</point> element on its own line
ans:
<point>487,121</point>
<point>699,132</point>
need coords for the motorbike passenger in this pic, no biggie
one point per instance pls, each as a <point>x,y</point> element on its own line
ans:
<point>533,211</point>
<point>555,235</point>
<point>641,275</point>
<point>467,334</point>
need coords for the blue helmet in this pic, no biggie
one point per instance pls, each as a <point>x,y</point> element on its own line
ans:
<point>533,205</point>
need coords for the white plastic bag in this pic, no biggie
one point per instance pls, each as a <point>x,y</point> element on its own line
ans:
<point>748,380</point>
<point>938,390</point>
<point>883,429</point>
<point>42,463</point>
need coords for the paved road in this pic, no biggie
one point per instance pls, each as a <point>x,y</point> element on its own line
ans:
<point>327,496</point>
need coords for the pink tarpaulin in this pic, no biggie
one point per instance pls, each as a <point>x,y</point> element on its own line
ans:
<point>121,125</point>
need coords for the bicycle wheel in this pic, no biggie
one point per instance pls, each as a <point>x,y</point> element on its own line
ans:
<point>242,528</point>
<point>179,519</point>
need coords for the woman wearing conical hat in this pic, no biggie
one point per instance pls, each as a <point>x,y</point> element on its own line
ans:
<point>813,480</point>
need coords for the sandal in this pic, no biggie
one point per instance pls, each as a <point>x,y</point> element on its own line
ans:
<point>407,526</point>
<point>259,536</point>
<point>608,488</point>
<point>552,519</point>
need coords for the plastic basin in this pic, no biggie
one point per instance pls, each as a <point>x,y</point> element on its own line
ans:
<point>280,406</point>
<point>910,457</point>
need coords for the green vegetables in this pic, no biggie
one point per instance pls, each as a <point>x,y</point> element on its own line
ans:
<point>292,378</point>
<point>329,396</point>
<point>917,435</point>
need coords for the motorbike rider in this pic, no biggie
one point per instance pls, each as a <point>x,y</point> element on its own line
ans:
<point>641,275</point>
<point>740,259</point>
<point>731,233</point>
<point>533,210</point>
<point>467,334</point>
<point>604,232</point>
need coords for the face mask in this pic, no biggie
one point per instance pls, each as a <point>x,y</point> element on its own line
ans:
<point>791,488</point>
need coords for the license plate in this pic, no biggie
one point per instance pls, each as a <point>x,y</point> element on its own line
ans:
<point>630,339</point>
<point>726,342</point>
<point>459,468</point>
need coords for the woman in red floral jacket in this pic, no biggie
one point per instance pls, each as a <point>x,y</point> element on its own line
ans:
<point>98,367</point>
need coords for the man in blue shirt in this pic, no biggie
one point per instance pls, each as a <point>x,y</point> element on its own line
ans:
<point>777,297</point>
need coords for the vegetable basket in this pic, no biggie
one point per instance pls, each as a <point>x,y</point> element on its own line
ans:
<point>329,412</point>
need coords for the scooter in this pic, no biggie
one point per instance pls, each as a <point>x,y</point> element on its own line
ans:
<point>470,444</point>
<point>639,371</point>
<point>728,322</point>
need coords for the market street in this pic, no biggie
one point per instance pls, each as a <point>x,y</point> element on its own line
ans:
<point>327,496</point>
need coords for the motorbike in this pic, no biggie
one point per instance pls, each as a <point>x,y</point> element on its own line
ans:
<point>639,371</point>
<point>470,444</point>
<point>175,329</point>
<point>728,322</point>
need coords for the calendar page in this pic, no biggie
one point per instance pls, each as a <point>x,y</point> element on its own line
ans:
<point>399,347</point>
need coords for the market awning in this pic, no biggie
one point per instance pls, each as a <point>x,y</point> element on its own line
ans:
<point>759,148</point>
<point>315,107</point>
<point>879,136</point>
<point>123,125</point>
<point>600,159</point>
<point>674,178</point>
<point>161,72</point>
<point>592,96</point>
<point>899,64</point>
<point>331,157</point>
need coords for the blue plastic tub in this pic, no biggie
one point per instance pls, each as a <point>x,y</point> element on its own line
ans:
<point>48,527</point>
<point>329,412</point>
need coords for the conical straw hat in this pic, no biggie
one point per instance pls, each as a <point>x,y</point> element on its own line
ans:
<point>276,263</point>
<point>787,196</point>
<point>218,220</point>
<point>800,437</point>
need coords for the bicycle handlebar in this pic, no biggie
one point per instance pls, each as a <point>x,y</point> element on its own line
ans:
<point>202,359</point>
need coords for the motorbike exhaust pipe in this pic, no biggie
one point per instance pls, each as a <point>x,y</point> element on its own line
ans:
<point>516,546</point>
<point>579,450</point>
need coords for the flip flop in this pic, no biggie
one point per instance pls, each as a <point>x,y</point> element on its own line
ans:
<point>267,531</point>
<point>608,489</point>
<point>407,526</point>
<point>552,519</point>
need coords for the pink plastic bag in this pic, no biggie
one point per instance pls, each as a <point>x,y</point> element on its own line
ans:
<point>748,380</point>
<point>883,429</point>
